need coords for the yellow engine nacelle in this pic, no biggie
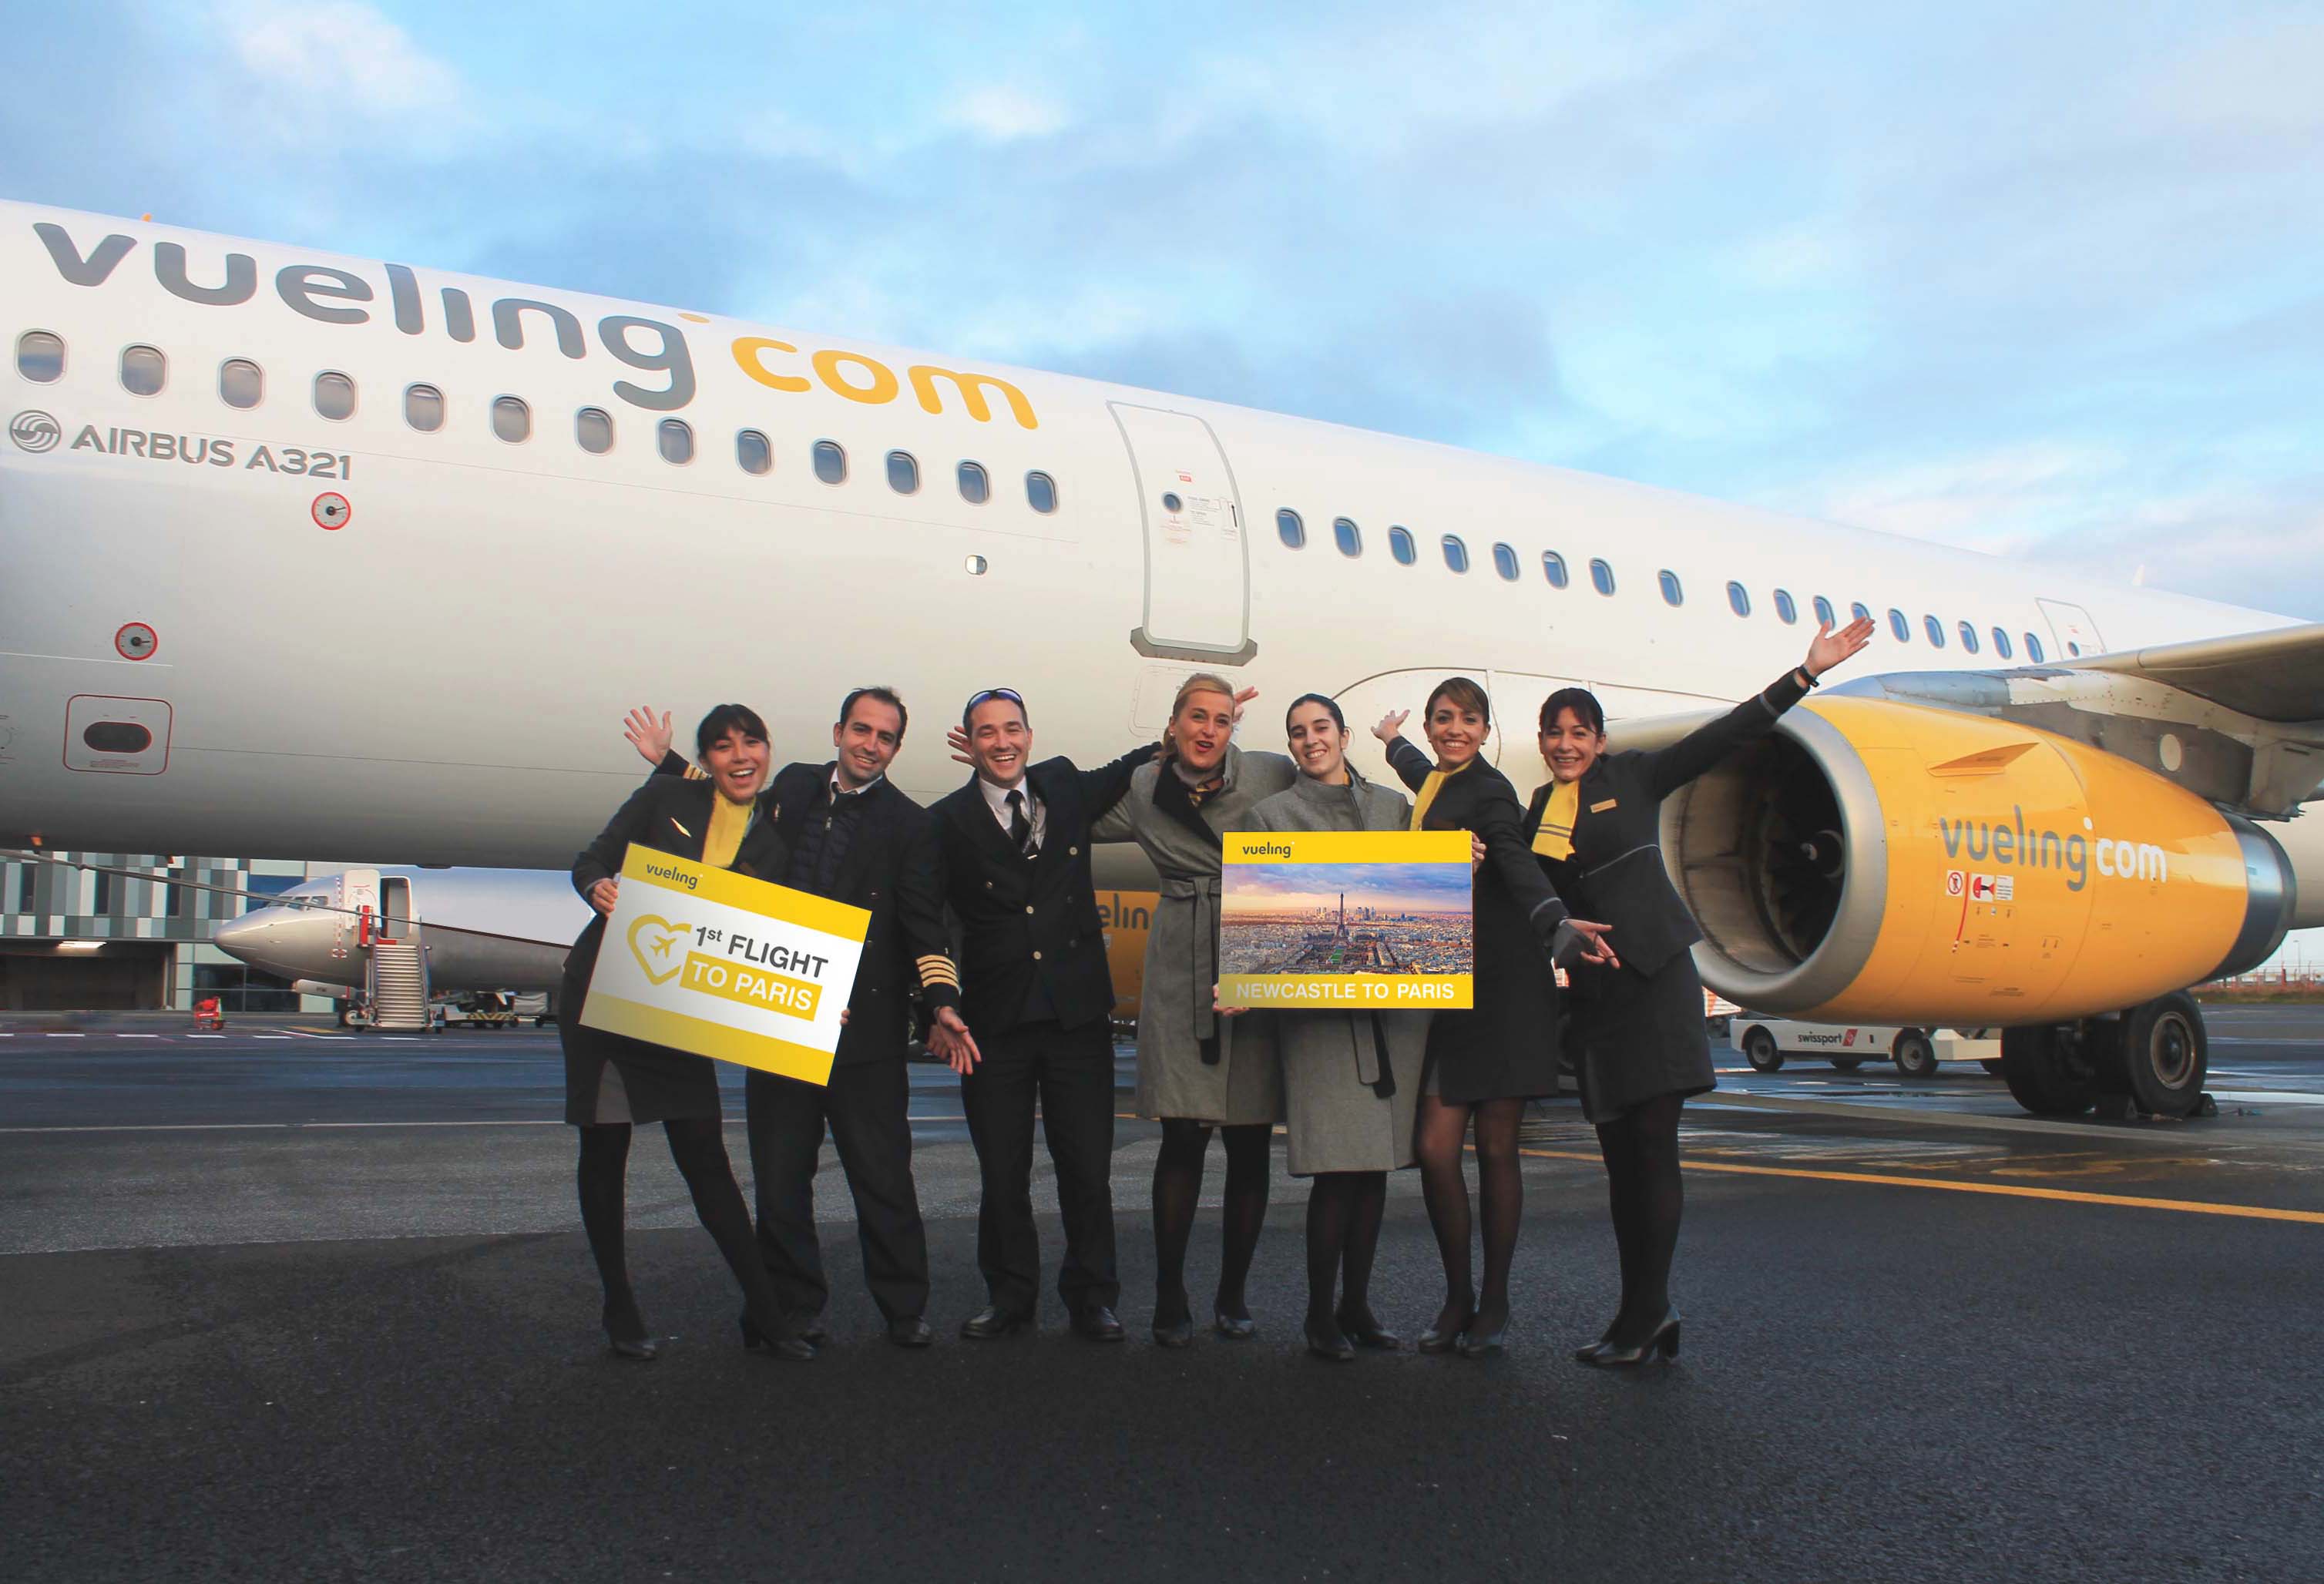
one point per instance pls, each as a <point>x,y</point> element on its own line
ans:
<point>1877,859</point>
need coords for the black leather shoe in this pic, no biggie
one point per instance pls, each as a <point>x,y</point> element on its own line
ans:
<point>1234,1328</point>
<point>1365,1332</point>
<point>811,1330</point>
<point>1097,1323</point>
<point>790,1347</point>
<point>1328,1341</point>
<point>992,1322</point>
<point>1662,1342</point>
<point>910,1331</point>
<point>638,1351</point>
<point>1444,1335</point>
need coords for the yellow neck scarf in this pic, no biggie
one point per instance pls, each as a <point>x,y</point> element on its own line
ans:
<point>723,839</point>
<point>1428,791</point>
<point>1556,837</point>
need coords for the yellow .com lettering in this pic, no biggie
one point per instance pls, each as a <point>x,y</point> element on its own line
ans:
<point>881,388</point>
<point>750,357</point>
<point>924,378</point>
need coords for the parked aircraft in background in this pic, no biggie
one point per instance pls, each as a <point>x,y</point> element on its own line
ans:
<point>466,523</point>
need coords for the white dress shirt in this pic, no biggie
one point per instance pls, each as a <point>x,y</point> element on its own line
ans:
<point>996,798</point>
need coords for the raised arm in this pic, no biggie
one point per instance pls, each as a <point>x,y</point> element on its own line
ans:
<point>1411,765</point>
<point>1669,769</point>
<point>1103,787</point>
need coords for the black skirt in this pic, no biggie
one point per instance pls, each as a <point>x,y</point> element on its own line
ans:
<point>1636,1036</point>
<point>613,1078</point>
<point>1506,1047</point>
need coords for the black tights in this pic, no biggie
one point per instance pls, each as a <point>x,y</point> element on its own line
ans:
<point>698,1146</point>
<point>1343,1229</point>
<point>1645,1193</point>
<point>1178,1189</point>
<point>1501,1200</point>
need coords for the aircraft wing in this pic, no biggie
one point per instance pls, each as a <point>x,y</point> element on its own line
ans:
<point>2276,676</point>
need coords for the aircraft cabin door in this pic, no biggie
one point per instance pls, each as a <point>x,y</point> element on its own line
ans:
<point>1197,556</point>
<point>2071,626</point>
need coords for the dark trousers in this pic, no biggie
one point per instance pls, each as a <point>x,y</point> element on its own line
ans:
<point>863,1107</point>
<point>1071,1070</point>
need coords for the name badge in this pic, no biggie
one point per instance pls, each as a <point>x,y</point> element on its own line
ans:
<point>1603,807</point>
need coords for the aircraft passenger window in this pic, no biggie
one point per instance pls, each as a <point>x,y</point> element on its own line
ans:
<point>753,452</point>
<point>1860,611</point>
<point>974,487</point>
<point>2033,649</point>
<point>1935,629</point>
<point>1553,568</point>
<point>1824,613</point>
<point>594,428</point>
<point>1348,537</point>
<point>1289,529</point>
<point>1601,577</point>
<point>512,419</point>
<point>1456,554</point>
<point>40,356</point>
<point>676,439</point>
<point>1738,599</point>
<point>334,396</point>
<point>1400,546</point>
<point>1968,638</point>
<point>903,473</point>
<point>240,382</point>
<point>1672,594</point>
<point>1505,562</point>
<point>423,408</point>
<point>1785,611</point>
<point>142,371</point>
<point>2001,643</point>
<point>1899,626</point>
<point>1040,492</point>
<point>830,462</point>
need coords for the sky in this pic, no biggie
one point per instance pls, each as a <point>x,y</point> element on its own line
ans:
<point>2034,279</point>
<point>1271,889</point>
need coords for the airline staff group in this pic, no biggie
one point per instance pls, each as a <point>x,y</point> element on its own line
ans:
<point>1022,1012</point>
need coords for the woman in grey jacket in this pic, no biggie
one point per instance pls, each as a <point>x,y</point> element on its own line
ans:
<point>1351,1080</point>
<point>1195,1071</point>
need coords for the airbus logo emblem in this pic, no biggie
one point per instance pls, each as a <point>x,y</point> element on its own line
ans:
<point>34,430</point>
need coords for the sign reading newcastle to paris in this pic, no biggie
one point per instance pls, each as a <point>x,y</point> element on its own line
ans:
<point>708,960</point>
<point>1315,919</point>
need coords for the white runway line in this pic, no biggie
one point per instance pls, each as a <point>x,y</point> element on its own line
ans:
<point>69,1036</point>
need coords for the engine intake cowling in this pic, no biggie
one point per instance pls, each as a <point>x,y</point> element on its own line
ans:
<point>1874,858</point>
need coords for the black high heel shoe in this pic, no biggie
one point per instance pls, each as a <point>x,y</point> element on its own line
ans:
<point>637,1347</point>
<point>1661,1342</point>
<point>1588,1352</point>
<point>793,1349</point>
<point>1328,1341</point>
<point>1442,1336</point>
<point>1178,1330</point>
<point>1359,1327</point>
<point>1476,1344</point>
<point>1234,1328</point>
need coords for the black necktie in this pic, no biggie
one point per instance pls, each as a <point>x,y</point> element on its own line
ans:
<point>1020,829</point>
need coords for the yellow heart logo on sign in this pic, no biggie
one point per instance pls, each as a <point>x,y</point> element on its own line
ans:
<point>656,954</point>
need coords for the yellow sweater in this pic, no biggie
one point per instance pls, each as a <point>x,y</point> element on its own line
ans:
<point>723,839</point>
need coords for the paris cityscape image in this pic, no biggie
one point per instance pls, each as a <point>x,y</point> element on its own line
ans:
<point>1345,918</point>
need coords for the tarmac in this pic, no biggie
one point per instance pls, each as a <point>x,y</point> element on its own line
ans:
<point>289,1304</point>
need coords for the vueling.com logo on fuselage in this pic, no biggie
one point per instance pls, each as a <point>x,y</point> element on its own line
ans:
<point>2013,846</point>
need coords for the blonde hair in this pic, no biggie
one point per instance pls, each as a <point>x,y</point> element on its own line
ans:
<point>1200,682</point>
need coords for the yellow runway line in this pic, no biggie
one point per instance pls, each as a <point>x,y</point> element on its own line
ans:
<point>2064,1195</point>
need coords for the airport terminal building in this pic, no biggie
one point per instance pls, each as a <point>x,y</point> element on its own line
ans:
<point>126,932</point>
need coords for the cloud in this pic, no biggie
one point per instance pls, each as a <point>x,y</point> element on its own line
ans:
<point>1005,114</point>
<point>322,58</point>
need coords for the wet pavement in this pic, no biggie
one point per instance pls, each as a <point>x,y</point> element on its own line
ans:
<point>286,1304</point>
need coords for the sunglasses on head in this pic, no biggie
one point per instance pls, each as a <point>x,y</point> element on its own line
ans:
<point>989,694</point>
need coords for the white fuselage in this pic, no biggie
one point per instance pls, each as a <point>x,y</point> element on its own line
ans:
<point>436,669</point>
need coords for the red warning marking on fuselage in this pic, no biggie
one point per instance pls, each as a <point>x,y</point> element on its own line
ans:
<point>331,511</point>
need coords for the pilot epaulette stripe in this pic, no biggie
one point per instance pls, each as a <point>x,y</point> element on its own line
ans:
<point>695,772</point>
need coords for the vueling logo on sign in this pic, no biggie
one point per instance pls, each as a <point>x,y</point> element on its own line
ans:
<point>2013,846</point>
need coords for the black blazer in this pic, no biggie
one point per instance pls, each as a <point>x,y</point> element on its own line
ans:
<point>1511,890</point>
<point>1023,924</point>
<point>890,872</point>
<point>671,817</point>
<point>1615,875</point>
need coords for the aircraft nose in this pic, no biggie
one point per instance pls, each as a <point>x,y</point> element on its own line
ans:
<point>281,940</point>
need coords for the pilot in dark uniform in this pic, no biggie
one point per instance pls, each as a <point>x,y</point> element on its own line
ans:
<point>1038,997</point>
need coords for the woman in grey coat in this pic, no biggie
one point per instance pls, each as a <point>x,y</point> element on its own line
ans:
<point>1195,1071</point>
<point>1351,1080</point>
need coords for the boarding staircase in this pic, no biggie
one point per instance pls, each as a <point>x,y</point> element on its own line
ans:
<point>398,983</point>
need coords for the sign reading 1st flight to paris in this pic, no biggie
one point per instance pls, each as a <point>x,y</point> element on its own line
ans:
<point>1311,920</point>
<point>715,963</point>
